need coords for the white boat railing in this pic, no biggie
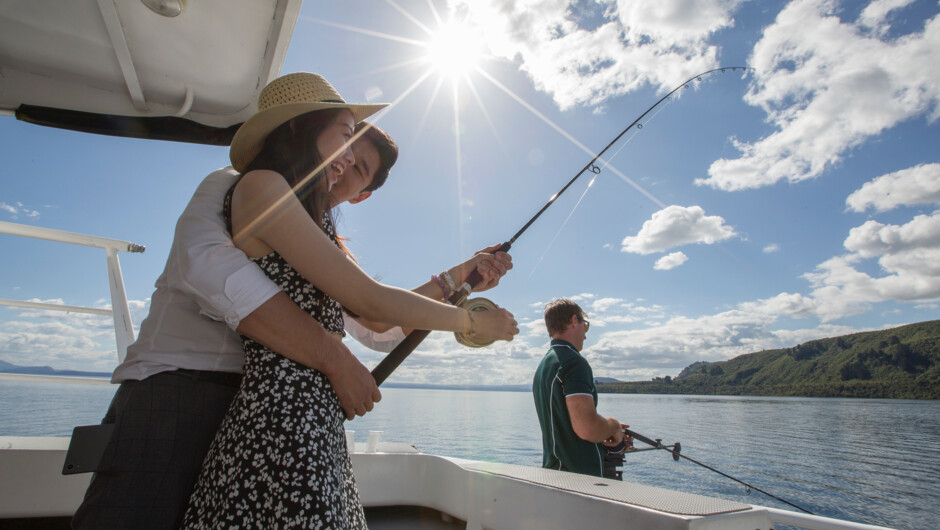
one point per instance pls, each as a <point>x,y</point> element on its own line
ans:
<point>123,326</point>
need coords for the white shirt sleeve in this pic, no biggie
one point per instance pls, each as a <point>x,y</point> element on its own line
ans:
<point>384,342</point>
<point>224,283</point>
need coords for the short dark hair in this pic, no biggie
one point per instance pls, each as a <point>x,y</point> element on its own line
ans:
<point>387,148</point>
<point>558,314</point>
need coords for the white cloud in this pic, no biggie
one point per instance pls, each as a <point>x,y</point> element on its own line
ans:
<point>681,341</point>
<point>602,305</point>
<point>68,341</point>
<point>667,348</point>
<point>611,312</point>
<point>18,210</point>
<point>63,344</point>
<point>670,261</point>
<point>677,21</point>
<point>771,248</point>
<point>828,86</point>
<point>441,360</point>
<point>533,328</point>
<point>907,187</point>
<point>674,226</point>
<point>874,239</point>
<point>660,347</point>
<point>875,15</point>
<point>789,304</point>
<point>583,298</point>
<point>909,255</point>
<point>791,337</point>
<point>584,53</point>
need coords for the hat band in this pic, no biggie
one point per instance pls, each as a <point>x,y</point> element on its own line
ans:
<point>340,101</point>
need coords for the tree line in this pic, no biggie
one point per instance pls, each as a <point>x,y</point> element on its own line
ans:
<point>899,363</point>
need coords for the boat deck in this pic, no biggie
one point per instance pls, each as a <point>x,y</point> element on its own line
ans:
<point>380,518</point>
<point>659,499</point>
<point>402,488</point>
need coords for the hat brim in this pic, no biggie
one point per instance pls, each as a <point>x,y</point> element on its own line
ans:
<point>249,139</point>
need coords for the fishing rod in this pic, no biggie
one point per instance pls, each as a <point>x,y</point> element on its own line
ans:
<point>459,297</point>
<point>676,454</point>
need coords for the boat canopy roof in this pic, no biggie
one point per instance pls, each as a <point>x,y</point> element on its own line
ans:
<point>174,70</point>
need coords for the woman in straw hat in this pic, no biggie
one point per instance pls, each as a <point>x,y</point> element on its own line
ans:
<point>279,458</point>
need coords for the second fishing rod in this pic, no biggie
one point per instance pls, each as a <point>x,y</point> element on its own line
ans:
<point>460,296</point>
<point>676,451</point>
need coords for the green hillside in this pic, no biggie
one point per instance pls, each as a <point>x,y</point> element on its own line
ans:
<point>902,362</point>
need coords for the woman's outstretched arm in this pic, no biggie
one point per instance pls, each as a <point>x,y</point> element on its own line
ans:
<point>267,216</point>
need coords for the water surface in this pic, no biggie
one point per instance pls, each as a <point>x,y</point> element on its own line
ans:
<point>866,460</point>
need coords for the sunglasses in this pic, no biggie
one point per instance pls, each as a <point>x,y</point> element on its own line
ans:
<point>587,325</point>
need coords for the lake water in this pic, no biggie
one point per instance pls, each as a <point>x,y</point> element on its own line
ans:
<point>865,460</point>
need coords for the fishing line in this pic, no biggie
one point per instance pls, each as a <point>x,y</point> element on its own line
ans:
<point>676,455</point>
<point>563,225</point>
<point>639,127</point>
<point>603,167</point>
<point>385,368</point>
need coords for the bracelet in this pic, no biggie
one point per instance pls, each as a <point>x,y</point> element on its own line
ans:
<point>450,282</point>
<point>473,327</point>
<point>441,285</point>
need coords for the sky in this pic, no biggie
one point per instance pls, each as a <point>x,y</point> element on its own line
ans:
<point>753,210</point>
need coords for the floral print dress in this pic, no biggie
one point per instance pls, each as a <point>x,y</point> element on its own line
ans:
<point>279,459</point>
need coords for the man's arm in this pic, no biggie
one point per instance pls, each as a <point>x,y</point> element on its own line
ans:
<point>588,424</point>
<point>376,340</point>
<point>283,327</point>
<point>230,288</point>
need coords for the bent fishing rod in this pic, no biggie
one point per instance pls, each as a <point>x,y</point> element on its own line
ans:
<point>459,297</point>
<point>675,449</point>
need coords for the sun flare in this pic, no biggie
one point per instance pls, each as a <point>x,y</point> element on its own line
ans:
<point>454,50</point>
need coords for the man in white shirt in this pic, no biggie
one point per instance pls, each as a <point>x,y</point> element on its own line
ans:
<point>182,372</point>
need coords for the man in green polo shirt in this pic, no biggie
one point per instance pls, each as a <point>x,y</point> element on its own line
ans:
<point>573,433</point>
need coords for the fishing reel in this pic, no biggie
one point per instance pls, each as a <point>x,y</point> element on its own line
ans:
<point>614,458</point>
<point>473,305</point>
<point>624,446</point>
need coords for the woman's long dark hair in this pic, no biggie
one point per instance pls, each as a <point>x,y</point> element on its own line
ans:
<point>291,151</point>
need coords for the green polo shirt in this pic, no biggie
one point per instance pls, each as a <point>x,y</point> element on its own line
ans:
<point>564,372</point>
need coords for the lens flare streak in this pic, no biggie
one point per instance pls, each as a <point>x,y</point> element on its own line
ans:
<point>562,227</point>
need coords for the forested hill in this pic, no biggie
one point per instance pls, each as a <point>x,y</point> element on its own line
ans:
<point>902,362</point>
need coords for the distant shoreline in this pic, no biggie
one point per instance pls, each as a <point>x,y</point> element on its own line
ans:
<point>491,388</point>
<point>100,378</point>
<point>9,371</point>
<point>46,378</point>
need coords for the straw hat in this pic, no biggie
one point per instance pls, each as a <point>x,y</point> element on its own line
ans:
<point>283,99</point>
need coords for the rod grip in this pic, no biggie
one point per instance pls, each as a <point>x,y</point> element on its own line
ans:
<point>388,365</point>
<point>474,278</point>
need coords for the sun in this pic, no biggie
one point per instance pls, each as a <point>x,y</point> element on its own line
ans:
<point>454,50</point>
